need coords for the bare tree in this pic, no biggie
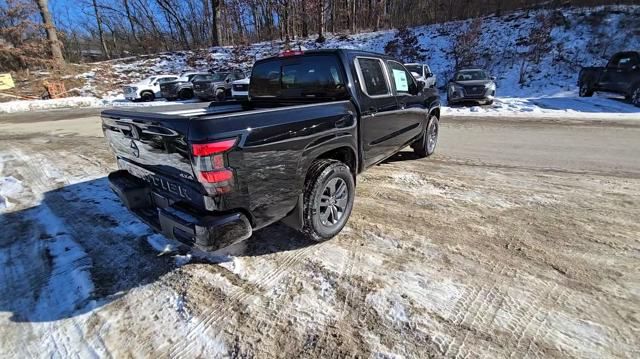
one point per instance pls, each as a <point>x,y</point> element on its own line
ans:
<point>50,28</point>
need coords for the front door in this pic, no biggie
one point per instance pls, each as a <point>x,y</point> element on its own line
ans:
<point>412,111</point>
<point>620,79</point>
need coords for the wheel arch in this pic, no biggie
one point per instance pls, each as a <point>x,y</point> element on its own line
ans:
<point>342,153</point>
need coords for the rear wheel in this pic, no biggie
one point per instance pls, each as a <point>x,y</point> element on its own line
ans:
<point>426,145</point>
<point>328,199</point>
<point>185,94</point>
<point>220,95</point>
<point>635,96</point>
<point>147,96</point>
<point>585,91</point>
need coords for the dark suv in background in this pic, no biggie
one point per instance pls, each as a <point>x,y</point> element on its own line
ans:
<point>621,76</point>
<point>216,86</point>
<point>180,89</point>
<point>471,85</point>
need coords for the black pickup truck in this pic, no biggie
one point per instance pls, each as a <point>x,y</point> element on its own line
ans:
<point>209,177</point>
<point>621,76</point>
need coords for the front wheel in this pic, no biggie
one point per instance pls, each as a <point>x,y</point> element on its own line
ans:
<point>328,199</point>
<point>426,145</point>
<point>585,91</point>
<point>220,95</point>
<point>147,96</point>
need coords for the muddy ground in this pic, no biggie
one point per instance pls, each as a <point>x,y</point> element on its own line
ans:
<point>517,239</point>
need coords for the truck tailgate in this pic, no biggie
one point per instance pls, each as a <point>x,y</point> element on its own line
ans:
<point>154,147</point>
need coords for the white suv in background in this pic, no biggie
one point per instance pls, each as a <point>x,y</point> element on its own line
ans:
<point>422,73</point>
<point>147,89</point>
<point>240,88</point>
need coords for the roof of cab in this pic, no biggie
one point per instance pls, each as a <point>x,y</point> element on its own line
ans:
<point>352,52</point>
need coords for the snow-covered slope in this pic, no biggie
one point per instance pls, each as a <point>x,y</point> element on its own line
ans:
<point>580,37</point>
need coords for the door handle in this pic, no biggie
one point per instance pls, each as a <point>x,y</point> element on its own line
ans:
<point>341,123</point>
<point>372,111</point>
<point>403,105</point>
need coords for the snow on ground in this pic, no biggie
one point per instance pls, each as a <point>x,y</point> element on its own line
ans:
<point>9,187</point>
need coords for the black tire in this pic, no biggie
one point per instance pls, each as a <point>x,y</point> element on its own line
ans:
<point>185,94</point>
<point>328,199</point>
<point>585,90</point>
<point>426,145</point>
<point>635,96</point>
<point>220,95</point>
<point>147,96</point>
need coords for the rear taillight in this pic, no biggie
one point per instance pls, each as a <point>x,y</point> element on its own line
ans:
<point>209,163</point>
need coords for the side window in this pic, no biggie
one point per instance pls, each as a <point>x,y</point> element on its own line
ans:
<point>372,77</point>
<point>625,62</point>
<point>166,79</point>
<point>401,79</point>
<point>614,61</point>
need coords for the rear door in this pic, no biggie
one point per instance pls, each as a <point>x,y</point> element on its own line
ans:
<point>607,80</point>
<point>381,122</point>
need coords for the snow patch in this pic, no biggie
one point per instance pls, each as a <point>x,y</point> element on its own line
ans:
<point>9,187</point>
<point>161,244</point>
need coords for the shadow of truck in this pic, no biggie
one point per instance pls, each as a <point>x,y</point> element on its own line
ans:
<point>80,249</point>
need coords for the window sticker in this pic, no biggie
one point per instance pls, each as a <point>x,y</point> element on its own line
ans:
<point>400,78</point>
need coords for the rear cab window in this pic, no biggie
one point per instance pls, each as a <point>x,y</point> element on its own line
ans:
<point>307,77</point>
<point>372,76</point>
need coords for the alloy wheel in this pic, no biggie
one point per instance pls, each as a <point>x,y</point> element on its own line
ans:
<point>432,136</point>
<point>333,202</point>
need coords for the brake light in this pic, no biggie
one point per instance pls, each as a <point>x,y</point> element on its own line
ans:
<point>287,53</point>
<point>206,149</point>
<point>216,176</point>
<point>209,162</point>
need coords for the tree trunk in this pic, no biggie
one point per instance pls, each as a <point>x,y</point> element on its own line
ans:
<point>52,35</point>
<point>321,21</point>
<point>215,22</point>
<point>105,50</point>
<point>131,25</point>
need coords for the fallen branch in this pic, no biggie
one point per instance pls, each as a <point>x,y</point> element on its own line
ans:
<point>18,97</point>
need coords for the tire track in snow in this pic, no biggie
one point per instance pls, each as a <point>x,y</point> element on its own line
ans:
<point>266,280</point>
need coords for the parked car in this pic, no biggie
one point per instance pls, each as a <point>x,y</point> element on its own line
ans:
<point>471,85</point>
<point>181,88</point>
<point>240,88</point>
<point>621,76</point>
<point>147,89</point>
<point>422,72</point>
<point>291,153</point>
<point>216,86</point>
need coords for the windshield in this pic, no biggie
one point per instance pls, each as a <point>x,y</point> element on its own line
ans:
<point>414,68</point>
<point>299,78</point>
<point>470,75</point>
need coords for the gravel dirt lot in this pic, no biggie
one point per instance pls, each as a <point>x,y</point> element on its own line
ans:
<point>517,238</point>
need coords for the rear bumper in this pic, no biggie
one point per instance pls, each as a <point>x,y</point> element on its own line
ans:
<point>207,231</point>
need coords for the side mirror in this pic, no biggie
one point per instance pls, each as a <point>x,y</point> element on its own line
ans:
<point>419,87</point>
<point>493,78</point>
<point>227,80</point>
<point>429,74</point>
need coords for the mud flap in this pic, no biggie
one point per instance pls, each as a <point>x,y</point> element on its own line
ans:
<point>295,218</point>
